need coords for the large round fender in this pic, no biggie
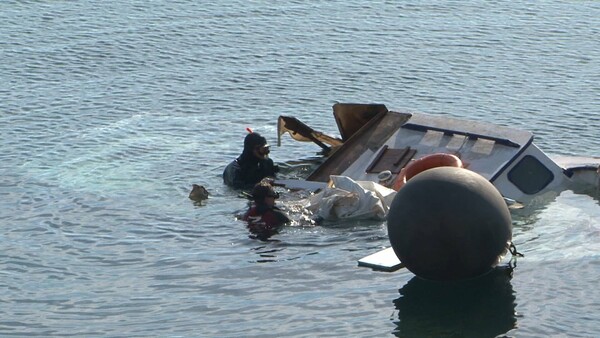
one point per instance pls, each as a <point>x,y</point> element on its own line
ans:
<point>448,224</point>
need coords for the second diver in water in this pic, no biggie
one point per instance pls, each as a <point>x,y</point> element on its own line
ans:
<point>264,219</point>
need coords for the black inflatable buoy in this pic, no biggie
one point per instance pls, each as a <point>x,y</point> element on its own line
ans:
<point>449,223</point>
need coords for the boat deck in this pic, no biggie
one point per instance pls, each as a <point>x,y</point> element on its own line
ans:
<point>389,141</point>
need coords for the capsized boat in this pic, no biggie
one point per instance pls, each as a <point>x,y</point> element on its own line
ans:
<point>376,144</point>
<point>383,146</point>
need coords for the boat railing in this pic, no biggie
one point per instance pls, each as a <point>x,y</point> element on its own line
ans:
<point>499,140</point>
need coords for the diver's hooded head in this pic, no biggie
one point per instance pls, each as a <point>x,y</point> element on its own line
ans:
<point>251,142</point>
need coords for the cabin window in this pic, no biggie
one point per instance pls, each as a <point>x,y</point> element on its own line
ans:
<point>530,175</point>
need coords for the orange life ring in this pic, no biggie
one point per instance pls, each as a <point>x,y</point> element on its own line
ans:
<point>426,162</point>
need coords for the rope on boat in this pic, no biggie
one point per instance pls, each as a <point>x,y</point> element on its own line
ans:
<point>513,260</point>
<point>513,250</point>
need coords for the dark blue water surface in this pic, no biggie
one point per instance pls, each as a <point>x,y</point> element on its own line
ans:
<point>110,110</point>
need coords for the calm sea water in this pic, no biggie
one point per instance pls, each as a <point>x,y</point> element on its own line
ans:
<point>110,110</point>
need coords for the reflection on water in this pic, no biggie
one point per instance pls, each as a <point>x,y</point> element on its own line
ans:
<point>299,169</point>
<point>481,307</point>
<point>267,254</point>
<point>540,203</point>
<point>592,191</point>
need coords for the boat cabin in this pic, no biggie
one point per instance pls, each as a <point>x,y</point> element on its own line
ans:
<point>376,144</point>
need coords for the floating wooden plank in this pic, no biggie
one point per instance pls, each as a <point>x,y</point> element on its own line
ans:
<point>384,260</point>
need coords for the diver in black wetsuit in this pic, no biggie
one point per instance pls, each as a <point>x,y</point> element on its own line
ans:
<point>252,165</point>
